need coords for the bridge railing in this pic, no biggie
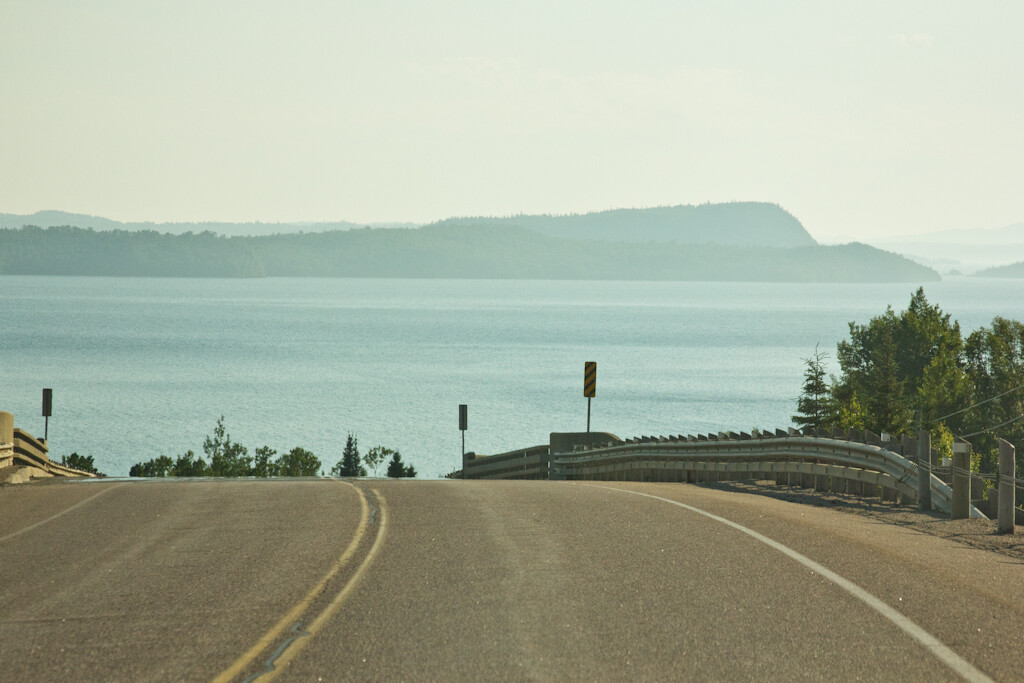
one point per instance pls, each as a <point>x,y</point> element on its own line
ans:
<point>33,452</point>
<point>825,464</point>
<point>18,447</point>
<point>525,463</point>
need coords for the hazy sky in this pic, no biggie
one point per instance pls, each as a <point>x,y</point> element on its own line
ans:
<point>861,118</point>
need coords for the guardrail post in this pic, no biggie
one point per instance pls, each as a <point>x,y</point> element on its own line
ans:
<point>1007,486</point>
<point>961,508</point>
<point>924,470</point>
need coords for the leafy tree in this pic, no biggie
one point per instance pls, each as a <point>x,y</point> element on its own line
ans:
<point>264,464</point>
<point>227,458</point>
<point>376,456</point>
<point>82,463</point>
<point>885,364</point>
<point>188,465</point>
<point>851,414</point>
<point>945,390</point>
<point>349,465</point>
<point>298,462</point>
<point>157,467</point>
<point>995,367</point>
<point>814,407</point>
<point>918,359</point>
<point>890,405</point>
<point>398,469</point>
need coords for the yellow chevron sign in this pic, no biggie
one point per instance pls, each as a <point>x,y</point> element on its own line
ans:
<point>590,379</point>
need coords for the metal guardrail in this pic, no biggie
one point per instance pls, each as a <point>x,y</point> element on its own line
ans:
<point>819,462</point>
<point>796,455</point>
<point>525,463</point>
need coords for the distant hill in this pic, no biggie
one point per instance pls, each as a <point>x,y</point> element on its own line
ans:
<point>52,219</point>
<point>964,251</point>
<point>735,223</point>
<point>1014,270</point>
<point>462,250</point>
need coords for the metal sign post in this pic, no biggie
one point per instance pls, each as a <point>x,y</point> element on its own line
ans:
<point>589,385</point>
<point>47,411</point>
<point>463,425</point>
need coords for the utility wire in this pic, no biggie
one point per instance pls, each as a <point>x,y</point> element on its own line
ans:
<point>988,400</point>
<point>1019,417</point>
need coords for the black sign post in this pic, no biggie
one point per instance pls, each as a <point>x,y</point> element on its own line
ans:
<point>47,411</point>
<point>463,425</point>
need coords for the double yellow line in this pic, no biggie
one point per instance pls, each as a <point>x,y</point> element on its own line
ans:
<point>285,623</point>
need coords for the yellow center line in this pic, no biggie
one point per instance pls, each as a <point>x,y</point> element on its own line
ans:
<point>340,598</point>
<point>288,619</point>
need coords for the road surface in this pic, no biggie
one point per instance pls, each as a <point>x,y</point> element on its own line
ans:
<point>449,580</point>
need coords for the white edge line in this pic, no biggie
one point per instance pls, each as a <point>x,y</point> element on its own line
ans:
<point>951,659</point>
<point>41,522</point>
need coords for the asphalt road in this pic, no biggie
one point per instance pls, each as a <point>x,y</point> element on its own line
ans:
<point>450,580</point>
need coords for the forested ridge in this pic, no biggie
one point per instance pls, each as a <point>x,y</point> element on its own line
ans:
<point>462,250</point>
<point>67,250</point>
<point>730,223</point>
<point>1013,270</point>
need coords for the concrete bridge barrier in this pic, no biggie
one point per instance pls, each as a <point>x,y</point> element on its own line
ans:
<point>19,449</point>
<point>6,440</point>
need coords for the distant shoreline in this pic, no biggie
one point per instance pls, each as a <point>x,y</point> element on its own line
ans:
<point>449,251</point>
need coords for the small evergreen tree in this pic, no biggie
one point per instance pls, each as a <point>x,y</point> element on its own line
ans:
<point>814,406</point>
<point>396,468</point>
<point>349,465</point>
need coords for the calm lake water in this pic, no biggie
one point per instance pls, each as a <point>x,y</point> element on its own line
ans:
<point>143,367</point>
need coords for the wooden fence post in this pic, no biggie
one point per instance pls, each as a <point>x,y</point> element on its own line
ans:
<point>961,508</point>
<point>1007,487</point>
<point>924,470</point>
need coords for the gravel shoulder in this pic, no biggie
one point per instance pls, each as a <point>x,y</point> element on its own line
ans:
<point>976,533</point>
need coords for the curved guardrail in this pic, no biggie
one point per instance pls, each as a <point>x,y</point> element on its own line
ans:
<point>790,455</point>
<point>28,451</point>
<point>822,463</point>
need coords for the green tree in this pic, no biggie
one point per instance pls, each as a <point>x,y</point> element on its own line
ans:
<point>298,462</point>
<point>995,367</point>
<point>82,463</point>
<point>227,458</point>
<point>161,466</point>
<point>814,407</point>
<point>376,456</point>
<point>851,413</point>
<point>264,464</point>
<point>396,468</point>
<point>890,404</point>
<point>945,390</point>
<point>885,363</point>
<point>188,465</point>
<point>349,465</point>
